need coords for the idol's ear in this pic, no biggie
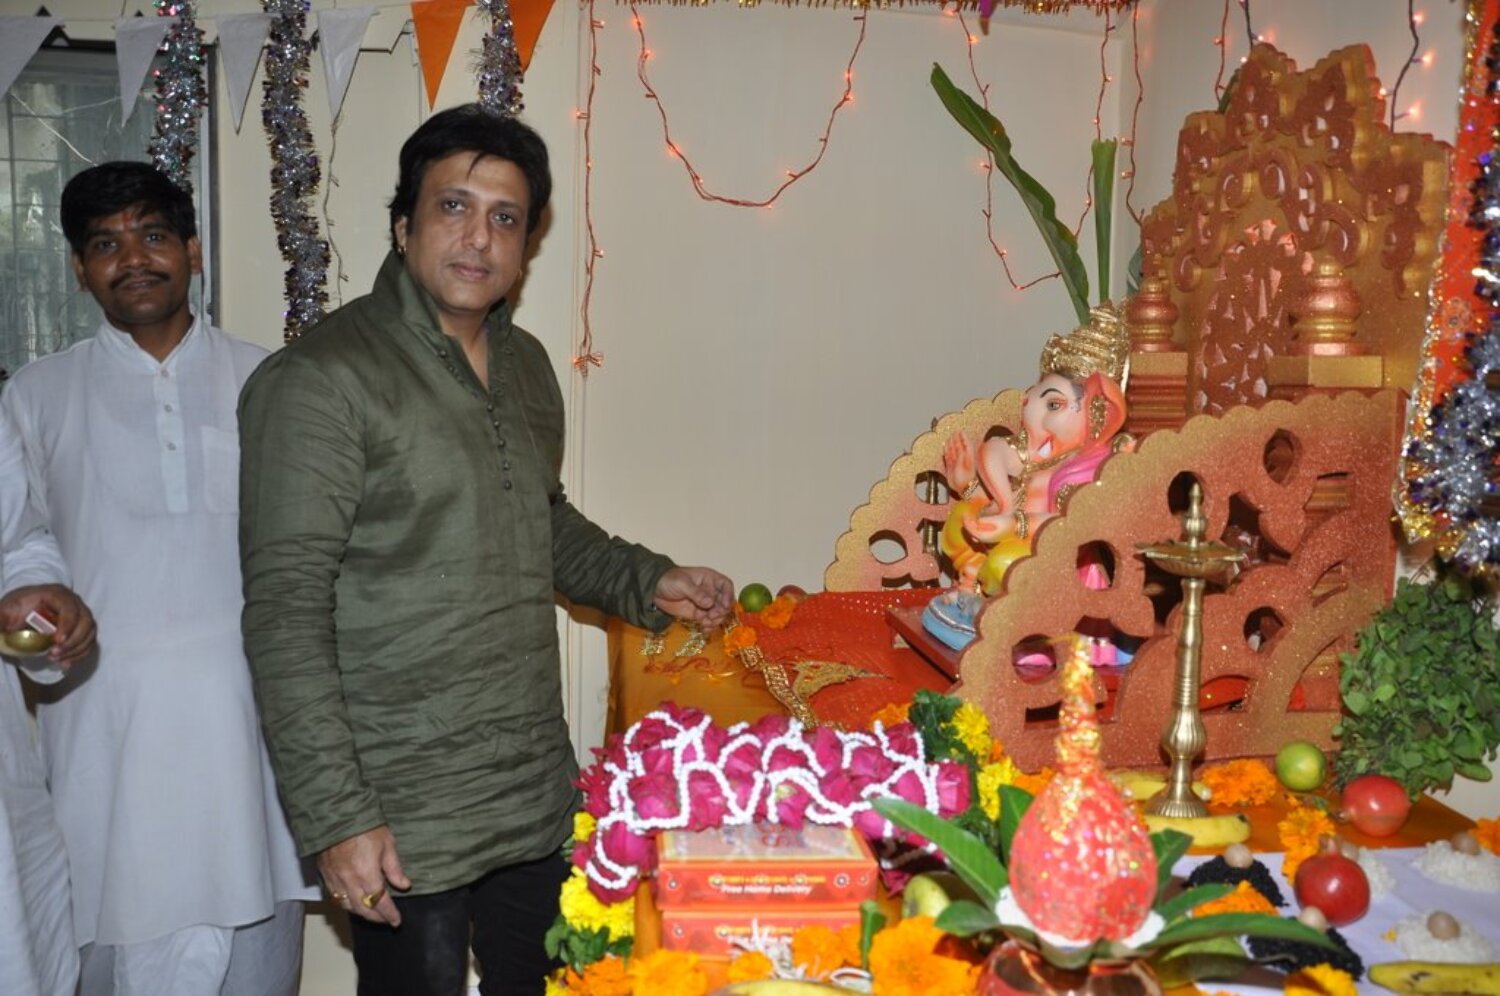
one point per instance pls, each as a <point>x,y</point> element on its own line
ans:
<point>1105,403</point>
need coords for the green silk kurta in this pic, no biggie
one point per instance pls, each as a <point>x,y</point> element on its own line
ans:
<point>402,531</point>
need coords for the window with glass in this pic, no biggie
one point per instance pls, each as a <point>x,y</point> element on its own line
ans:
<point>61,116</point>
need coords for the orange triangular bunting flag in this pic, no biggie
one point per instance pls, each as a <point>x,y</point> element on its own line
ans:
<point>527,18</point>
<point>436,23</point>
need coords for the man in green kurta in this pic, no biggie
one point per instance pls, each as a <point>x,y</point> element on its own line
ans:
<point>403,530</point>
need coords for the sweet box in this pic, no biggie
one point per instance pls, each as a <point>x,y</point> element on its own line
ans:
<point>766,866</point>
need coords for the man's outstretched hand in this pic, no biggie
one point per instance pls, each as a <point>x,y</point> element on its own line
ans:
<point>698,595</point>
<point>75,623</point>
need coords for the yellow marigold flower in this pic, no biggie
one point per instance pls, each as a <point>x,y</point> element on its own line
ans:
<point>779,612</point>
<point>668,973</point>
<point>990,778</point>
<point>583,826</point>
<point>605,977</point>
<point>583,910</point>
<point>972,727</point>
<point>1246,782</point>
<point>750,966</point>
<point>904,962</point>
<point>1244,899</point>
<point>821,950</point>
<point>890,714</point>
<point>1487,832</point>
<point>739,638</point>
<point>1320,980</point>
<point>556,986</point>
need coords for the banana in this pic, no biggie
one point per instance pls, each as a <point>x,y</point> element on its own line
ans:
<point>1436,977</point>
<point>1215,831</point>
<point>1142,785</point>
<point>929,893</point>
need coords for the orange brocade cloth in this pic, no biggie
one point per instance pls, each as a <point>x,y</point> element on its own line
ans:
<point>837,655</point>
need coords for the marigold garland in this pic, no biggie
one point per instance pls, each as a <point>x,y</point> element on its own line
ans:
<point>904,961</point>
<point>668,973</point>
<point>1300,833</point>
<point>1246,782</point>
<point>583,825</point>
<point>779,612</point>
<point>751,966</point>
<point>1320,980</point>
<point>739,638</point>
<point>1033,784</point>
<point>1244,899</point>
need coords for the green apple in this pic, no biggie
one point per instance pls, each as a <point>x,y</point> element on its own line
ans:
<point>754,597</point>
<point>1301,766</point>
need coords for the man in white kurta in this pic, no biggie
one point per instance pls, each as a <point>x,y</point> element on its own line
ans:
<point>161,781</point>
<point>37,953</point>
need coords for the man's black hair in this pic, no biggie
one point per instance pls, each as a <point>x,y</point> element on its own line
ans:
<point>471,128</point>
<point>110,188</point>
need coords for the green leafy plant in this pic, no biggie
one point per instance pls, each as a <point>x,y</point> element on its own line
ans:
<point>1183,939</point>
<point>1422,692</point>
<point>1037,199</point>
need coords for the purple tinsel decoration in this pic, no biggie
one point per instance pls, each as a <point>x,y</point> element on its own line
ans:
<point>499,69</point>
<point>181,94</point>
<point>294,165</point>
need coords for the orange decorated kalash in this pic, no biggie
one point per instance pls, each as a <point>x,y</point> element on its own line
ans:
<point>1070,422</point>
<point>1082,865</point>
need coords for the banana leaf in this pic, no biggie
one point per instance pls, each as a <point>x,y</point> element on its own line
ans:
<point>968,856</point>
<point>990,133</point>
<point>1104,202</point>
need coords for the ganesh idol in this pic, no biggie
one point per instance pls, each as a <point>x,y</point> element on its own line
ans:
<point>1004,489</point>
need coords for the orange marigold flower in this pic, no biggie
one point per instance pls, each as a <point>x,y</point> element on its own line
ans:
<point>890,714</point>
<point>779,612</point>
<point>605,977</point>
<point>739,638</point>
<point>1320,980</point>
<point>821,951</point>
<point>1034,783</point>
<point>1247,782</point>
<point>1244,899</point>
<point>904,962</point>
<point>668,973</point>
<point>1487,832</point>
<point>1300,833</point>
<point>751,966</point>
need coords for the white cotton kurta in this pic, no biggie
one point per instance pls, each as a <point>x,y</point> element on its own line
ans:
<point>37,954</point>
<point>159,775</point>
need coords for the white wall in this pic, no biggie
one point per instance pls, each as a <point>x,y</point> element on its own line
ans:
<point>763,367</point>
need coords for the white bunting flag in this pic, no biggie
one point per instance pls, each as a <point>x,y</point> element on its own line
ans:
<point>340,32</point>
<point>242,38</point>
<point>136,42</point>
<point>20,37</point>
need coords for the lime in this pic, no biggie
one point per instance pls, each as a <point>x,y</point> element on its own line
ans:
<point>1301,766</point>
<point>754,597</point>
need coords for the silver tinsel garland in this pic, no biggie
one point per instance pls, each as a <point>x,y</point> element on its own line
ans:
<point>294,165</point>
<point>499,69</point>
<point>181,94</point>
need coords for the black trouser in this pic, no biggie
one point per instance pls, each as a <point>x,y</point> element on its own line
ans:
<point>509,911</point>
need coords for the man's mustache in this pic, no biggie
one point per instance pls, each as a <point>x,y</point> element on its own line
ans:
<point>138,274</point>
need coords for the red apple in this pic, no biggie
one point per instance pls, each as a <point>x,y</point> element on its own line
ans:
<point>792,591</point>
<point>1376,804</point>
<point>1334,884</point>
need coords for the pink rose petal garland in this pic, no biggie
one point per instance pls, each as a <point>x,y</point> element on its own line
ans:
<point>677,770</point>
